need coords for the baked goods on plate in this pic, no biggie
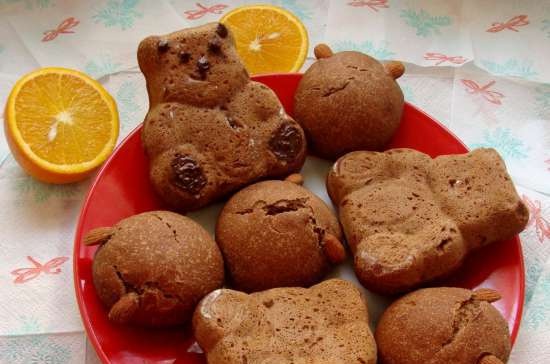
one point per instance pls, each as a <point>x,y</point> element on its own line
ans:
<point>410,219</point>
<point>325,324</point>
<point>443,326</point>
<point>123,189</point>
<point>153,268</point>
<point>277,234</point>
<point>348,101</point>
<point>210,130</point>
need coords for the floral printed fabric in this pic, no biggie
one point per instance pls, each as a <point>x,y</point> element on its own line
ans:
<point>43,349</point>
<point>482,76</point>
<point>450,33</point>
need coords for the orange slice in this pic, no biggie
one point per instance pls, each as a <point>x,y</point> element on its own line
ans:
<point>268,38</point>
<point>60,124</point>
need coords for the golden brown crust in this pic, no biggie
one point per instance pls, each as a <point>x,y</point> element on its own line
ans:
<point>348,101</point>
<point>410,219</point>
<point>272,235</point>
<point>155,268</point>
<point>441,326</point>
<point>325,324</point>
<point>209,129</point>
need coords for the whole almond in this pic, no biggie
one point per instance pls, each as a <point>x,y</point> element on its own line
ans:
<point>123,310</point>
<point>295,178</point>
<point>395,69</point>
<point>98,236</point>
<point>333,249</point>
<point>486,294</point>
<point>489,359</point>
<point>322,50</point>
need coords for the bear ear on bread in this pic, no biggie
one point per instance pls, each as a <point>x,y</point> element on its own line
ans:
<point>322,50</point>
<point>395,69</point>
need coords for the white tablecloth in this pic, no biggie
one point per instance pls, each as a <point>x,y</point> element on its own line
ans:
<point>480,67</point>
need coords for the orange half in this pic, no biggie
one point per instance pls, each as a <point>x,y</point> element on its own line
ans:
<point>60,124</point>
<point>268,38</point>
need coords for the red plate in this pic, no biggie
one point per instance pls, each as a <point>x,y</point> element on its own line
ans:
<point>122,189</point>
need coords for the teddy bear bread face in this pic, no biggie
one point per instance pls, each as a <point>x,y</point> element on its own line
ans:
<point>325,324</point>
<point>197,66</point>
<point>210,129</point>
<point>410,219</point>
<point>349,101</point>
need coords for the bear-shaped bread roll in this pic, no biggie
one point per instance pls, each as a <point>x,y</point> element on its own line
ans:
<point>348,101</point>
<point>152,269</point>
<point>210,130</point>
<point>410,219</point>
<point>325,324</point>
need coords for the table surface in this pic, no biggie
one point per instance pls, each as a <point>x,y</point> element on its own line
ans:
<point>480,68</point>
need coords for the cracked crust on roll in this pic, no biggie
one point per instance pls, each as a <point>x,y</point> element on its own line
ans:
<point>277,234</point>
<point>154,268</point>
<point>442,326</point>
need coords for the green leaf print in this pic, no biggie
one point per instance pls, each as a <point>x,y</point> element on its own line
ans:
<point>424,23</point>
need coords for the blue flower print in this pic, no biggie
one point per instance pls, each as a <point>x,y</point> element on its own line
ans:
<point>546,27</point>
<point>298,8</point>
<point>28,346</point>
<point>42,192</point>
<point>128,108</point>
<point>504,142</point>
<point>379,51</point>
<point>101,66</point>
<point>118,13</point>
<point>30,4</point>
<point>542,100</point>
<point>424,23</point>
<point>539,308</point>
<point>408,93</point>
<point>512,67</point>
